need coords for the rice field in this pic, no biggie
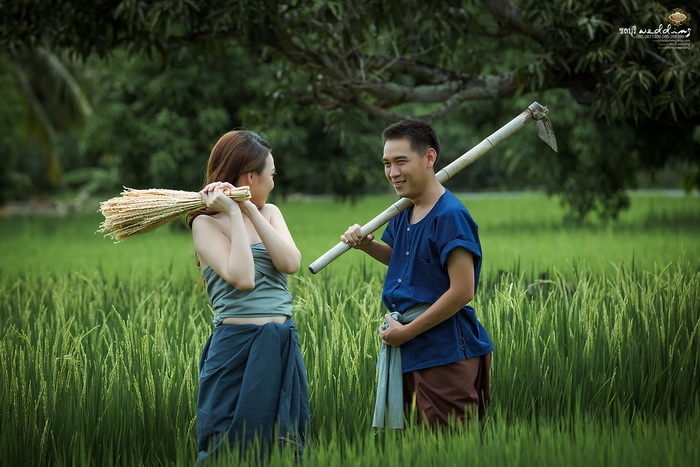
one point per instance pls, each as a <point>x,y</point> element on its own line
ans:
<point>595,329</point>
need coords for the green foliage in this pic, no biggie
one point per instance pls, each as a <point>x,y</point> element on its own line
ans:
<point>99,371</point>
<point>12,181</point>
<point>623,77</point>
<point>155,126</point>
<point>596,165</point>
<point>567,44</point>
<point>321,79</point>
<point>45,106</point>
<point>156,123</point>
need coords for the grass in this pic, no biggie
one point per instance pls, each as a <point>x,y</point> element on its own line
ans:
<point>596,363</point>
<point>523,232</point>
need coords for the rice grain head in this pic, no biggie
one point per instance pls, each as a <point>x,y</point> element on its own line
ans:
<point>136,212</point>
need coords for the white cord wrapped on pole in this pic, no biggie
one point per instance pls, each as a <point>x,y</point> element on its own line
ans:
<point>534,112</point>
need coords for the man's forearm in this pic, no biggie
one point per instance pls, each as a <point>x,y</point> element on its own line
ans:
<point>460,267</point>
<point>379,251</point>
<point>447,305</point>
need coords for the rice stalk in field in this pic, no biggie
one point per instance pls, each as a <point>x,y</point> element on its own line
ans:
<point>105,370</point>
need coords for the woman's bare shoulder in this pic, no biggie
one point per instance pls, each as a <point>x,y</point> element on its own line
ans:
<point>204,223</point>
<point>270,210</point>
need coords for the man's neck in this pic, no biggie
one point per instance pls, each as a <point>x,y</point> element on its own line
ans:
<point>427,199</point>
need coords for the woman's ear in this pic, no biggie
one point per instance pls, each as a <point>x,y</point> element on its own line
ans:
<point>246,179</point>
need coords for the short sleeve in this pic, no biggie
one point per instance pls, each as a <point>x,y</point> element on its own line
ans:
<point>462,242</point>
<point>458,229</point>
<point>389,232</point>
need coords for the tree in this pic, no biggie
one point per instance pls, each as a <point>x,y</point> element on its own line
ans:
<point>44,101</point>
<point>155,126</point>
<point>372,55</point>
<point>393,58</point>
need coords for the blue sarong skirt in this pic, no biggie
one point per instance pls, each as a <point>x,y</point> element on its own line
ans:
<point>252,383</point>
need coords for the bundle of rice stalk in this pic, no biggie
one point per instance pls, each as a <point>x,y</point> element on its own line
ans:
<point>139,211</point>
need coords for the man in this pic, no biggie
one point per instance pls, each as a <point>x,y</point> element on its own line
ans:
<point>434,258</point>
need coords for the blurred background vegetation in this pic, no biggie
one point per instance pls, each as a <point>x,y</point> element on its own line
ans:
<point>104,93</point>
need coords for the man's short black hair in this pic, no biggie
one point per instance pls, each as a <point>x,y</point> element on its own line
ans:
<point>420,134</point>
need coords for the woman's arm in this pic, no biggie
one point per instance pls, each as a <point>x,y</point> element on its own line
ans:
<point>275,235</point>
<point>231,258</point>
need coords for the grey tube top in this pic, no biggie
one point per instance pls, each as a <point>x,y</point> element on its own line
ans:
<point>270,296</point>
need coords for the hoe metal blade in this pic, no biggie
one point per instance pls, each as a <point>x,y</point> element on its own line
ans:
<point>544,126</point>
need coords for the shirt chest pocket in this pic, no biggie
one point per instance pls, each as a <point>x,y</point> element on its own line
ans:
<point>428,280</point>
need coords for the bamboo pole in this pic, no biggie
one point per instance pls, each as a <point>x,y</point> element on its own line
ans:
<point>506,131</point>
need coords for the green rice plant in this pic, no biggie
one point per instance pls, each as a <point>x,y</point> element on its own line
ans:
<point>340,344</point>
<point>74,369</point>
<point>595,360</point>
<point>603,345</point>
<point>107,370</point>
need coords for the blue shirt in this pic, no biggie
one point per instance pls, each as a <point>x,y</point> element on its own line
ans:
<point>418,274</point>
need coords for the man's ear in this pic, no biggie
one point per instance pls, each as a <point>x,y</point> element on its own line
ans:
<point>431,157</point>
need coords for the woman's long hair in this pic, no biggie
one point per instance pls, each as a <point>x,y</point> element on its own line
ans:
<point>236,153</point>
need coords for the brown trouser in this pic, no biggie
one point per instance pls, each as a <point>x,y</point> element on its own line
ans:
<point>456,390</point>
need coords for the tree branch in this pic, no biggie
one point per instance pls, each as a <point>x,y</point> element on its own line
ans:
<point>508,17</point>
<point>468,88</point>
<point>424,72</point>
<point>487,87</point>
<point>494,87</point>
<point>83,103</point>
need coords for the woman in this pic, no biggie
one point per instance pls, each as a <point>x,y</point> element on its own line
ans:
<point>252,376</point>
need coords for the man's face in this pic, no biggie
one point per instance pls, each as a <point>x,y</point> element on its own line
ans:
<point>405,169</point>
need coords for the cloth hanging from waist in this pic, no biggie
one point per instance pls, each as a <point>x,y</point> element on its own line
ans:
<point>388,408</point>
<point>252,383</point>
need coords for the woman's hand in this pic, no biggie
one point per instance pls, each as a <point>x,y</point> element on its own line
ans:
<point>214,196</point>
<point>247,207</point>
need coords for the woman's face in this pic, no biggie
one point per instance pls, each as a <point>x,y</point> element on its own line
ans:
<point>262,183</point>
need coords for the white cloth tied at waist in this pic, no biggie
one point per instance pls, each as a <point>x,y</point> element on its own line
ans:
<point>388,409</point>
